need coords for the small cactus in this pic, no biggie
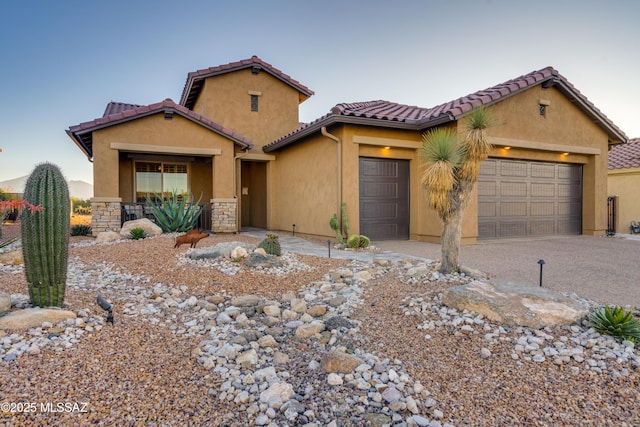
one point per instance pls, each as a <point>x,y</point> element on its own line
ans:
<point>271,245</point>
<point>45,235</point>
<point>358,241</point>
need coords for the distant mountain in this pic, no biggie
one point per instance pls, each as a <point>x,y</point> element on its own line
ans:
<point>80,189</point>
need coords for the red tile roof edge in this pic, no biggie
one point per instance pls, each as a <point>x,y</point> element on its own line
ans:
<point>127,114</point>
<point>239,65</point>
<point>623,156</point>
<point>421,118</point>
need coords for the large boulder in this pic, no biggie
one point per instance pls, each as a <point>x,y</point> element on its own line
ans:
<point>33,317</point>
<point>107,236</point>
<point>146,224</point>
<point>515,304</point>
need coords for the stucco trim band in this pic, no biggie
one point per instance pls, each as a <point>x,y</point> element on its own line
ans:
<point>164,149</point>
<point>386,142</point>
<point>543,146</point>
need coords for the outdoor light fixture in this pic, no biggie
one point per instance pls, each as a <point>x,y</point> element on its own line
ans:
<point>294,230</point>
<point>106,306</point>
<point>507,148</point>
<point>565,154</point>
<point>541,262</point>
<point>329,247</point>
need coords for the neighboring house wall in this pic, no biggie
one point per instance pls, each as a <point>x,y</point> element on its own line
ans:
<point>226,99</point>
<point>624,183</point>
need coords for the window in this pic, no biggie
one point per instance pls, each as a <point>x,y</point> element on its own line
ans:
<point>254,102</point>
<point>160,178</point>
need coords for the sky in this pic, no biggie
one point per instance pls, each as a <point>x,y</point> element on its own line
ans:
<point>62,61</point>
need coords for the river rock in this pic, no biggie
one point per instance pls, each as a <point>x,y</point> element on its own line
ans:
<point>13,257</point>
<point>339,362</point>
<point>515,304</point>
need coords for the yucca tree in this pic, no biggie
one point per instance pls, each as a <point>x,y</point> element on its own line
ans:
<point>450,170</point>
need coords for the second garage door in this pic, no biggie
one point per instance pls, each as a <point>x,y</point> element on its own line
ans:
<point>519,198</point>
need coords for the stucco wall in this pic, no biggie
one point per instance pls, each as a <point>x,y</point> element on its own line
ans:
<point>167,136</point>
<point>311,165</point>
<point>306,187</point>
<point>625,184</point>
<point>226,99</point>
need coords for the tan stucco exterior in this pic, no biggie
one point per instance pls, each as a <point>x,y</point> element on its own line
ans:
<point>227,98</point>
<point>305,182</point>
<point>624,184</point>
<point>311,165</point>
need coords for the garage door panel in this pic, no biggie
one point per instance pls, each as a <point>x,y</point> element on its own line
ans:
<point>513,189</point>
<point>530,199</point>
<point>384,198</point>
<point>543,208</point>
<point>513,208</point>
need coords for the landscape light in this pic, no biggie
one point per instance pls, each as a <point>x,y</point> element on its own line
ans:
<point>106,306</point>
<point>541,262</point>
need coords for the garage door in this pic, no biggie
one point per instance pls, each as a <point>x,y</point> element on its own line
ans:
<point>384,198</point>
<point>519,198</point>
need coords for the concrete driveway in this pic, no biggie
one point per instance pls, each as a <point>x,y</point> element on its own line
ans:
<point>603,269</point>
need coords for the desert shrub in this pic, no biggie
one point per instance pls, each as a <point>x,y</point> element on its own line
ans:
<point>176,213</point>
<point>358,241</point>
<point>617,322</point>
<point>80,230</point>
<point>137,233</point>
<point>271,245</point>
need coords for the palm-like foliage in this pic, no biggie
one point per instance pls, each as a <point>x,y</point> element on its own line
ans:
<point>450,170</point>
<point>617,322</point>
<point>441,155</point>
<point>175,213</point>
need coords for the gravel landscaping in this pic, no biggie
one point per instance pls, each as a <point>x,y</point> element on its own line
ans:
<point>215,342</point>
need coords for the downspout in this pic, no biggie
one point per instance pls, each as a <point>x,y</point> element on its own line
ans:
<point>339,167</point>
<point>235,184</point>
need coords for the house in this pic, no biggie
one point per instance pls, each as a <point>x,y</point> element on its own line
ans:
<point>234,138</point>
<point>624,185</point>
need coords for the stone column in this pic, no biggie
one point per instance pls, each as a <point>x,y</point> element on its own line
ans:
<point>223,215</point>
<point>105,214</point>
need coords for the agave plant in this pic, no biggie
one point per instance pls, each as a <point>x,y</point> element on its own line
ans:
<point>137,234</point>
<point>617,322</point>
<point>176,214</point>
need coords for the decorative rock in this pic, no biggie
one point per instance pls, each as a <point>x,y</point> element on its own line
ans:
<point>337,301</point>
<point>334,379</point>
<point>245,301</point>
<point>222,249</point>
<point>272,310</point>
<point>299,306</point>
<point>515,304</point>
<point>391,394</point>
<point>239,252</point>
<point>317,310</point>
<point>309,329</point>
<point>277,394</point>
<point>146,224</point>
<point>377,420</point>
<point>107,236</point>
<point>33,317</point>
<point>267,341</point>
<point>339,362</point>
<point>249,357</point>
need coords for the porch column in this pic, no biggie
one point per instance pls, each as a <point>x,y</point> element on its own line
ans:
<point>223,215</point>
<point>105,214</point>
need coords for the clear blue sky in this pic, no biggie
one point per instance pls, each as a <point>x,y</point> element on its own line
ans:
<point>63,61</point>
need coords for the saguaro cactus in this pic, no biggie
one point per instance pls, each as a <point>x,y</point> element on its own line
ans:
<point>45,235</point>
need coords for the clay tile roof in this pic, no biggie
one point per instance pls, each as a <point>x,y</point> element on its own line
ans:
<point>118,107</point>
<point>391,114</point>
<point>195,79</point>
<point>117,113</point>
<point>625,155</point>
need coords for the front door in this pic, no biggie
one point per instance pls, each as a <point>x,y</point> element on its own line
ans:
<point>253,194</point>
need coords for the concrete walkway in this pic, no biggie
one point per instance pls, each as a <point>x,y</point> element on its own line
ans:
<point>603,269</point>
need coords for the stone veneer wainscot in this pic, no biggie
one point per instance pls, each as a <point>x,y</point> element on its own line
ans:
<point>224,214</point>
<point>105,214</point>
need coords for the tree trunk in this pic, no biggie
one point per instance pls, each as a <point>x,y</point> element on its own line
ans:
<point>451,235</point>
<point>452,228</point>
